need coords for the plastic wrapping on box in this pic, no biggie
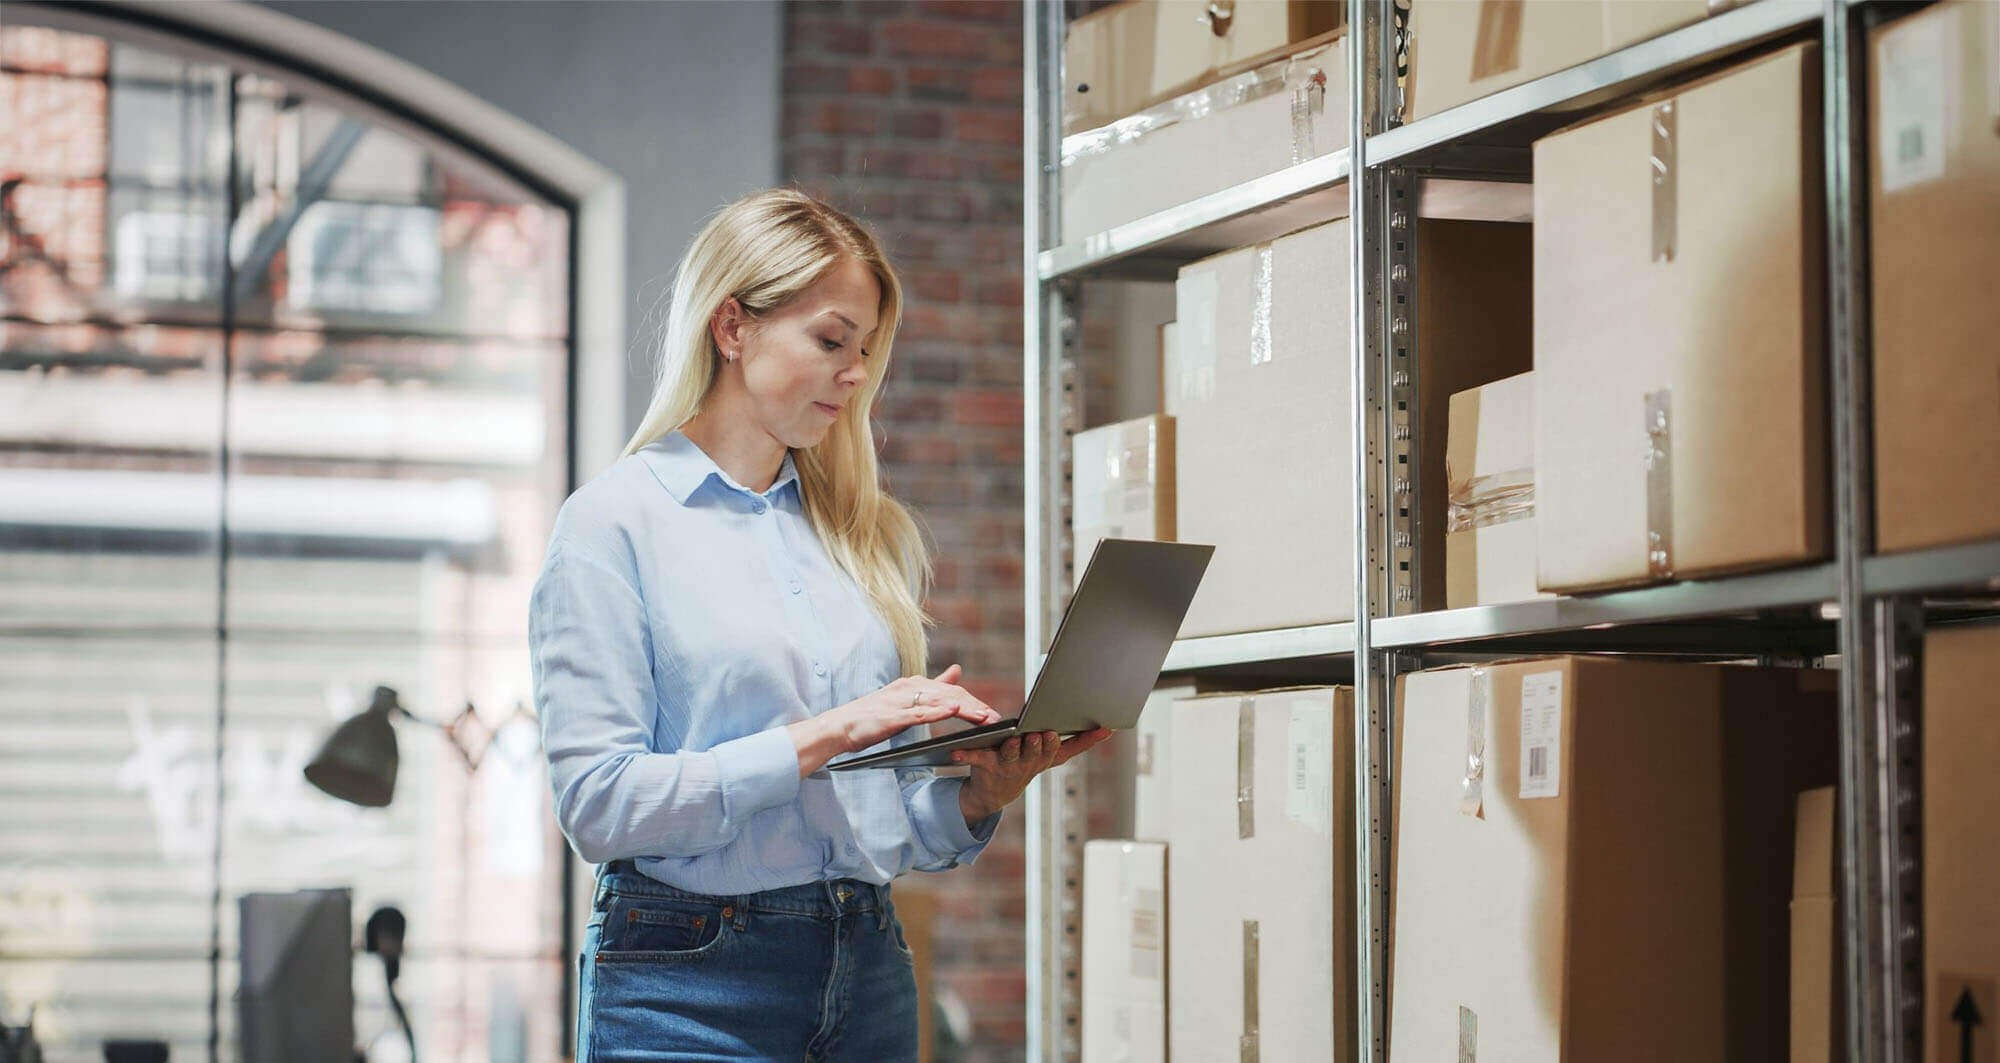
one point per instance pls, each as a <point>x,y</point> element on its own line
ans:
<point>1484,501</point>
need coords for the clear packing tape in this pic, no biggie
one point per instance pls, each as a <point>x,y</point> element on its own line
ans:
<point>1483,501</point>
<point>1302,75</point>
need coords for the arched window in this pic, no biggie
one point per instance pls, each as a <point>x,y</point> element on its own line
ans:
<point>286,405</point>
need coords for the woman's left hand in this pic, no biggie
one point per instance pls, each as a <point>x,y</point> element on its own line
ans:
<point>1000,774</point>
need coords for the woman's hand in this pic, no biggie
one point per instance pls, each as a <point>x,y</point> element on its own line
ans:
<point>884,714</point>
<point>999,775</point>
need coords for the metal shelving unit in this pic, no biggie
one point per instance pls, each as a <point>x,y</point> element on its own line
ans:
<point>1472,161</point>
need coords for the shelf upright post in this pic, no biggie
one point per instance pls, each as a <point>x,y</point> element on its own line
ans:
<point>1052,411</point>
<point>1881,865</point>
<point>1377,296</point>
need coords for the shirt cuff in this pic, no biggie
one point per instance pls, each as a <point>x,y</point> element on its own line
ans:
<point>757,772</point>
<point>941,826</point>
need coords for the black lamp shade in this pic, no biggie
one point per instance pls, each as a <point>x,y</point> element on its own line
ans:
<point>358,761</point>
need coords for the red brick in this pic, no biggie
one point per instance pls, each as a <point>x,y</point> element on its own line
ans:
<point>1002,12</point>
<point>997,84</point>
<point>948,84</point>
<point>846,118</point>
<point>815,78</point>
<point>918,125</point>
<point>871,81</point>
<point>936,39</point>
<point>837,36</point>
<point>997,290</point>
<point>987,407</point>
<point>805,160</point>
<point>942,285</point>
<point>989,126</point>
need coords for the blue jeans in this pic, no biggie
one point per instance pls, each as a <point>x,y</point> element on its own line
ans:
<point>819,973</point>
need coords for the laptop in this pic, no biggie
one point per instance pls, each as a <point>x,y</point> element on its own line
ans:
<point>1105,658</point>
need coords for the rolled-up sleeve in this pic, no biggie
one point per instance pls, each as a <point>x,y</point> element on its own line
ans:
<point>932,804</point>
<point>614,796</point>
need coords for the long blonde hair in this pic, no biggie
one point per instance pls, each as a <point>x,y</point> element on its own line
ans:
<point>764,249</point>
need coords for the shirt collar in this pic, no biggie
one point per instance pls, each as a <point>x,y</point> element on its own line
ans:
<point>683,468</point>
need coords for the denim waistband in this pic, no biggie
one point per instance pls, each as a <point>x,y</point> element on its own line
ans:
<point>843,896</point>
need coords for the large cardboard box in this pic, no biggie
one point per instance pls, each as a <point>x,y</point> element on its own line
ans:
<point>1815,922</point>
<point>1263,467</point>
<point>1475,303</point>
<point>1289,111</point>
<point>1127,57</point>
<point>1461,50</point>
<point>1121,484</point>
<point>1124,952</point>
<point>1490,483</point>
<point>1259,895</point>
<point>1682,317</point>
<point>1961,738</point>
<point>1584,867</point>
<point>1934,174</point>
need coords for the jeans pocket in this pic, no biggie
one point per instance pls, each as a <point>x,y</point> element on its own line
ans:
<point>902,943</point>
<point>659,928</point>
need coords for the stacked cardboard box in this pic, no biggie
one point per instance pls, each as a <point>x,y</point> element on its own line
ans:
<point>1124,952</point>
<point>1127,57</point>
<point>1461,50</point>
<point>1121,484</point>
<point>1583,863</point>
<point>1815,927</point>
<point>1263,432</point>
<point>1961,739</point>
<point>1680,423</point>
<point>1259,898</point>
<point>1490,483</point>
<point>1288,111</point>
<point>1934,219</point>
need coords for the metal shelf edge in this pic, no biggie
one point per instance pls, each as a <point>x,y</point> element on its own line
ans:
<point>1250,647</point>
<point>1974,568</point>
<point>1708,38</point>
<point>1674,601</point>
<point>1190,217</point>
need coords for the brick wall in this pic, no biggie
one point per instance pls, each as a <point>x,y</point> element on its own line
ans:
<point>907,113</point>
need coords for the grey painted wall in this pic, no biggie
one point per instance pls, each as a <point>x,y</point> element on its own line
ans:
<point>678,98</point>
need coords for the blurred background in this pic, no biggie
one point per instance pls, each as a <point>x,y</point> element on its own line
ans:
<point>311,315</point>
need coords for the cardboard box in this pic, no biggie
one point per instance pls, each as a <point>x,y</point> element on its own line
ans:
<point>1816,976</point>
<point>1475,302</point>
<point>1124,952</point>
<point>1961,738</point>
<point>1461,50</point>
<point>1604,887</point>
<point>1702,296</point>
<point>1152,763</point>
<point>1122,59</point>
<point>1263,468</point>
<point>1259,896</point>
<point>1286,112</point>
<point>1490,484</point>
<point>1934,174</point>
<point>1169,368</point>
<point>1121,484</point>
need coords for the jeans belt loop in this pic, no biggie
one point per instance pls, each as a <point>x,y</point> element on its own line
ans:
<point>882,913</point>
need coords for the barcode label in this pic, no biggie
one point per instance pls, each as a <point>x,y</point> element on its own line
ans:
<point>1309,798</point>
<point>1541,734</point>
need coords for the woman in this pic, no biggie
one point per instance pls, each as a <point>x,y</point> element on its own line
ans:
<point>722,612</point>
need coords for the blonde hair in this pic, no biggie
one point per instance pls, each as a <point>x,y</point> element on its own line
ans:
<point>764,249</point>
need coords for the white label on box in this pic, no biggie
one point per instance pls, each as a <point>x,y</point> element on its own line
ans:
<point>1196,293</point>
<point>1917,78</point>
<point>1309,797</point>
<point>1541,734</point>
<point>1147,906</point>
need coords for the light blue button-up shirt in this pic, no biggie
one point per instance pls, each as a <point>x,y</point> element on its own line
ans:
<point>680,622</point>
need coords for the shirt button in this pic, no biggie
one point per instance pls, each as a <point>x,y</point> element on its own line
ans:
<point>757,507</point>
<point>819,669</point>
<point>796,588</point>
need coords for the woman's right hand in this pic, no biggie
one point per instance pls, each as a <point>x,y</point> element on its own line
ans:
<point>887,712</point>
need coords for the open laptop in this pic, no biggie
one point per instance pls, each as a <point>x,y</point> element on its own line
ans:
<point>1105,658</point>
